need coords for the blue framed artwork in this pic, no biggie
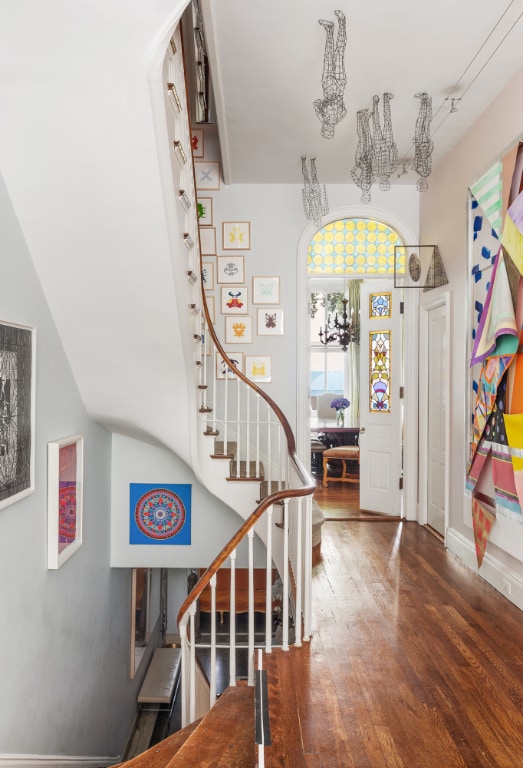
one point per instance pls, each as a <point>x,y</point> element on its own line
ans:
<point>160,514</point>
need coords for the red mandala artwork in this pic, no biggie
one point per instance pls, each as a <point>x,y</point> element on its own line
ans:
<point>160,514</point>
<point>67,514</point>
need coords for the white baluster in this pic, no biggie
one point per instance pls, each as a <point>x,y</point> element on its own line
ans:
<point>250,678</point>
<point>185,687</point>
<point>248,429</point>
<point>268,585</point>
<point>212,686</point>
<point>307,623</point>
<point>214,391</point>
<point>298,549</point>
<point>232,628</point>
<point>238,428</point>
<point>192,668</point>
<point>258,471</point>
<point>268,472</point>
<point>225,412</point>
<point>285,607</point>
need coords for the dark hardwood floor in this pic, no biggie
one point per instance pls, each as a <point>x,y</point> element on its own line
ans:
<point>414,660</point>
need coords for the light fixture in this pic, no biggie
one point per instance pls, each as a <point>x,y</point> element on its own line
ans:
<point>314,194</point>
<point>331,108</point>
<point>423,144</point>
<point>344,332</point>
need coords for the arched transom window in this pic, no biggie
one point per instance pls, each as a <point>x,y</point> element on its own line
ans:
<point>353,247</point>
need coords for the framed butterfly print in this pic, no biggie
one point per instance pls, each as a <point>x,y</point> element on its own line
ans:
<point>234,300</point>
<point>258,368</point>
<point>265,290</point>
<point>270,321</point>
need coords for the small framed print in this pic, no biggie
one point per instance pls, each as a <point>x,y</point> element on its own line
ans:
<point>207,175</point>
<point>197,142</point>
<point>238,330</point>
<point>64,499</point>
<point>236,235</point>
<point>205,216</point>
<point>270,322</point>
<point>208,241</point>
<point>211,307</point>
<point>265,290</point>
<point>208,274</point>
<point>231,269</point>
<point>223,369</point>
<point>258,368</point>
<point>234,300</point>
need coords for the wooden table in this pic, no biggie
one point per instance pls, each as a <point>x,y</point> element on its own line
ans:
<point>335,435</point>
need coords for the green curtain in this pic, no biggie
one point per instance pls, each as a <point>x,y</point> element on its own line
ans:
<point>352,362</point>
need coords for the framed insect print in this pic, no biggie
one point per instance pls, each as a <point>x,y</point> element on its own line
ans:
<point>207,175</point>
<point>223,369</point>
<point>258,368</point>
<point>197,142</point>
<point>265,290</point>
<point>270,321</point>
<point>208,241</point>
<point>208,274</point>
<point>236,235</point>
<point>238,330</point>
<point>231,269</point>
<point>205,212</point>
<point>234,300</point>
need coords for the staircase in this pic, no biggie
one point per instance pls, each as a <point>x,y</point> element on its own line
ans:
<point>244,452</point>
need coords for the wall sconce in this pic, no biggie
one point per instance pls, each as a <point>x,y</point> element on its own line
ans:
<point>180,153</point>
<point>185,200</point>
<point>418,266</point>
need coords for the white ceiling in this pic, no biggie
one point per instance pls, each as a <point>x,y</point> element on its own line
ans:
<point>268,58</point>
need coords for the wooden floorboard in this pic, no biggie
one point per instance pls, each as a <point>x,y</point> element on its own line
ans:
<point>414,660</point>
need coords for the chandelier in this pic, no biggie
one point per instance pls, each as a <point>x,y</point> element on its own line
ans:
<point>344,332</point>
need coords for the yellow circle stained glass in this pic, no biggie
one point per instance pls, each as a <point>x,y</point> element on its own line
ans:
<point>353,246</point>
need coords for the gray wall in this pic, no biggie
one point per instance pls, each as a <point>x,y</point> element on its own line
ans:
<point>64,644</point>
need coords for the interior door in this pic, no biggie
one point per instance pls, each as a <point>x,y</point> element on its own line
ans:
<point>437,417</point>
<point>381,376</point>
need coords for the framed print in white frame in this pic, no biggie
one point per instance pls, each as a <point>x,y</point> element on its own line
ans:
<point>208,274</point>
<point>265,290</point>
<point>208,241</point>
<point>205,212</point>
<point>207,175</point>
<point>236,235</point>
<point>197,145</point>
<point>234,300</point>
<point>238,330</point>
<point>231,269</point>
<point>65,463</point>
<point>17,412</point>
<point>223,370</point>
<point>270,321</point>
<point>258,368</point>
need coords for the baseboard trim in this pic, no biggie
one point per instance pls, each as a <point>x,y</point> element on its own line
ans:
<point>57,761</point>
<point>492,570</point>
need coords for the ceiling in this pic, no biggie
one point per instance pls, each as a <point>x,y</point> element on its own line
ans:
<point>267,60</point>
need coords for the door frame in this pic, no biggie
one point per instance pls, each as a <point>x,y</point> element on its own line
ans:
<point>410,350</point>
<point>443,299</point>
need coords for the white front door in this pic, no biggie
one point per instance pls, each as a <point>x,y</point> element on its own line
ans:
<point>380,405</point>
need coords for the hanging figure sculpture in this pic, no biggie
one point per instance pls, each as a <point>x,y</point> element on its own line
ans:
<point>362,172</point>
<point>385,151</point>
<point>314,194</point>
<point>423,145</point>
<point>331,109</point>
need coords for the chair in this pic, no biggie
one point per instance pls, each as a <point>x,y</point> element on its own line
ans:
<point>317,448</point>
<point>341,453</point>
<point>324,405</point>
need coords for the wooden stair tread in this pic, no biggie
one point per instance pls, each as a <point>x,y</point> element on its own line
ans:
<point>243,474</point>
<point>219,450</point>
<point>224,737</point>
<point>160,754</point>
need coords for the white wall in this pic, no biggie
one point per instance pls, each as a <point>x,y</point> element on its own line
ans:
<point>213,522</point>
<point>444,221</point>
<point>64,644</point>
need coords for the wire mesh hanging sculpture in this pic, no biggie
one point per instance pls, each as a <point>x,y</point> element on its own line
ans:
<point>384,149</point>
<point>314,194</point>
<point>331,109</point>
<point>362,172</point>
<point>423,144</point>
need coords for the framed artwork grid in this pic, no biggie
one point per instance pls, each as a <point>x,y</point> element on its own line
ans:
<point>231,269</point>
<point>238,330</point>
<point>208,279</point>
<point>270,321</point>
<point>258,368</point>
<point>236,235</point>
<point>265,290</point>
<point>208,241</point>
<point>207,175</point>
<point>234,300</point>
<point>205,211</point>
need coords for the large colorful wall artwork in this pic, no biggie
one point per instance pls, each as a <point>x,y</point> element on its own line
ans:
<point>160,514</point>
<point>495,466</point>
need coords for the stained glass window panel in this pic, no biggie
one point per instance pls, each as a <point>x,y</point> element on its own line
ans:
<point>379,374</point>
<point>353,247</point>
<point>380,305</point>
